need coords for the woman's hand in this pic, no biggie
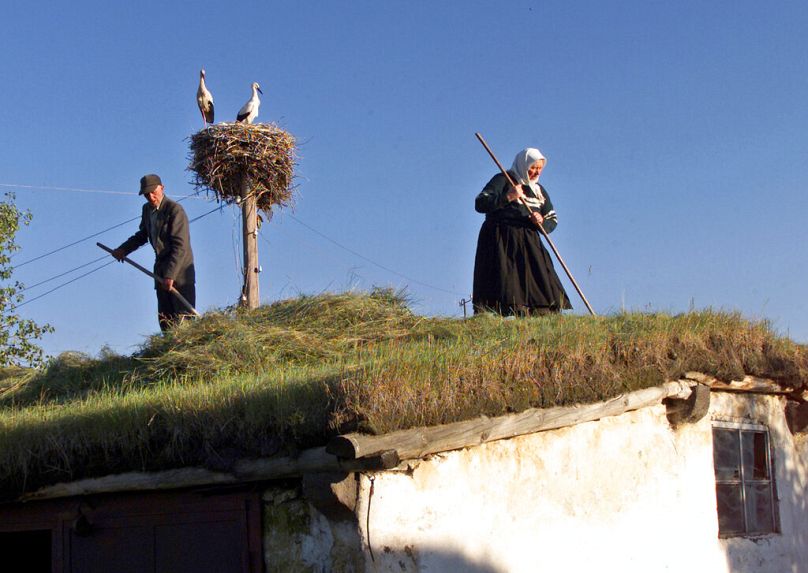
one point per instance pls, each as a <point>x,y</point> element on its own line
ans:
<point>514,194</point>
<point>536,217</point>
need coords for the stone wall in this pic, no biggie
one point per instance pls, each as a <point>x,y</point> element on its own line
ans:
<point>300,539</point>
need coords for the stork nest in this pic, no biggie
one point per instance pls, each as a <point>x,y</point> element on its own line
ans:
<point>223,154</point>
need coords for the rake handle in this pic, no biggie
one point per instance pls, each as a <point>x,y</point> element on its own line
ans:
<point>144,270</point>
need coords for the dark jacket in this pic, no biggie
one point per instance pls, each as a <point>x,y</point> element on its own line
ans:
<point>493,202</point>
<point>173,256</point>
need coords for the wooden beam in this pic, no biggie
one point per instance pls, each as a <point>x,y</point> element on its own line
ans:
<point>133,481</point>
<point>692,409</point>
<point>315,460</point>
<point>312,461</point>
<point>750,384</point>
<point>419,442</point>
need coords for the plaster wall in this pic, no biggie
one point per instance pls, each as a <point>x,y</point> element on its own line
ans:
<point>626,493</point>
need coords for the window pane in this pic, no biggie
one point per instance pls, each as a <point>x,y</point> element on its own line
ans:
<point>726,454</point>
<point>759,508</point>
<point>730,508</point>
<point>755,460</point>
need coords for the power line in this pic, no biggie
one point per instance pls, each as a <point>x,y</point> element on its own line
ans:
<point>218,207</point>
<point>78,190</point>
<point>74,243</point>
<point>371,261</point>
<point>74,189</point>
<point>62,248</point>
<point>53,278</point>
<point>64,284</point>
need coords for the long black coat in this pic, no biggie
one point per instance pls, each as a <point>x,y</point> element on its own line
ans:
<point>513,272</point>
<point>174,258</point>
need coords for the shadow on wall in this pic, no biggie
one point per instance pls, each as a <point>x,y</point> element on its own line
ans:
<point>409,560</point>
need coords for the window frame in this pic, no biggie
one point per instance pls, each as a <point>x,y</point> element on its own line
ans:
<point>742,482</point>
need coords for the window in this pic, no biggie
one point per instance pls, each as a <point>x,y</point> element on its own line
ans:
<point>744,487</point>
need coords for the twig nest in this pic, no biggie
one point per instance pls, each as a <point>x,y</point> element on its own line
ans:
<point>223,154</point>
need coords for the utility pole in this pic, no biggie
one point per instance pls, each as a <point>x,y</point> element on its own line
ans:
<point>249,224</point>
<point>252,166</point>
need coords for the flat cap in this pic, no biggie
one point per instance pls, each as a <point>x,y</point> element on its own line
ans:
<point>149,182</point>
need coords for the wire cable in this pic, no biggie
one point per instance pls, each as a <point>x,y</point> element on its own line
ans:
<point>87,238</point>
<point>371,261</point>
<point>60,275</point>
<point>218,207</point>
<point>74,243</point>
<point>64,284</point>
<point>77,190</point>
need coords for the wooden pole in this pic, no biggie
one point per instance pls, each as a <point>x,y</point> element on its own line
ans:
<point>172,290</point>
<point>312,461</point>
<point>539,227</point>
<point>249,222</point>
<point>426,440</point>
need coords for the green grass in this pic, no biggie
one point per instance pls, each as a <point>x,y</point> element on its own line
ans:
<point>292,374</point>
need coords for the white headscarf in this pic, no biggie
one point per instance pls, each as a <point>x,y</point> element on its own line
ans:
<point>521,163</point>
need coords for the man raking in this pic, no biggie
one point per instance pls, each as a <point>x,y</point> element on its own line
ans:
<point>164,225</point>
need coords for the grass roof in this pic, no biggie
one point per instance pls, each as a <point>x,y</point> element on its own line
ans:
<point>239,384</point>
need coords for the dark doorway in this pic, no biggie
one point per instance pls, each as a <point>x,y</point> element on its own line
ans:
<point>26,551</point>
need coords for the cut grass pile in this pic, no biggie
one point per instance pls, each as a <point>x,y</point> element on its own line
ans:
<point>292,374</point>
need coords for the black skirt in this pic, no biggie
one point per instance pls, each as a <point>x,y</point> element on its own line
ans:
<point>513,273</point>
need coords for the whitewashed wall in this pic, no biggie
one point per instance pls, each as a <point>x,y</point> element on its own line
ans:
<point>625,494</point>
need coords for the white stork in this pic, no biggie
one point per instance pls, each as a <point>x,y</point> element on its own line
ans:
<point>205,100</point>
<point>249,111</point>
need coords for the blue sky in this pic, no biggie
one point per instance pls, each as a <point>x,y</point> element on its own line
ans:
<point>675,133</point>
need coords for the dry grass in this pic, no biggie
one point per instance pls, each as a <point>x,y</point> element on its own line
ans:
<point>224,153</point>
<point>292,374</point>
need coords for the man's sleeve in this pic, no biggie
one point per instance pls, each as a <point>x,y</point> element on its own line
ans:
<point>137,240</point>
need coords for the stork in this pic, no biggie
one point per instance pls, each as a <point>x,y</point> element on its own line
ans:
<point>205,100</point>
<point>250,109</point>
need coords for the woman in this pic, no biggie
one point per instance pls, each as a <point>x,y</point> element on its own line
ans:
<point>513,273</point>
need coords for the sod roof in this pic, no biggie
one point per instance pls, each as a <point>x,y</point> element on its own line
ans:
<point>292,374</point>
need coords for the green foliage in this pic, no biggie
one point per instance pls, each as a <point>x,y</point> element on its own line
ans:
<point>16,334</point>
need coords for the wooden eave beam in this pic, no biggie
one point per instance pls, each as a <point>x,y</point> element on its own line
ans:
<point>420,442</point>
<point>315,460</point>
<point>749,384</point>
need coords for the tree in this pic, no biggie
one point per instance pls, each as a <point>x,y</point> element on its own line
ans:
<point>16,334</point>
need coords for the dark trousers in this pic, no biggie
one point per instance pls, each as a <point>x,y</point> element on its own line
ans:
<point>170,310</point>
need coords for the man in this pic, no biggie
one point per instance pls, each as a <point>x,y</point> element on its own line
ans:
<point>164,225</point>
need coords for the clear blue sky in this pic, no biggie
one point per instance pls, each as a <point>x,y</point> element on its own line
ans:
<point>676,134</point>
